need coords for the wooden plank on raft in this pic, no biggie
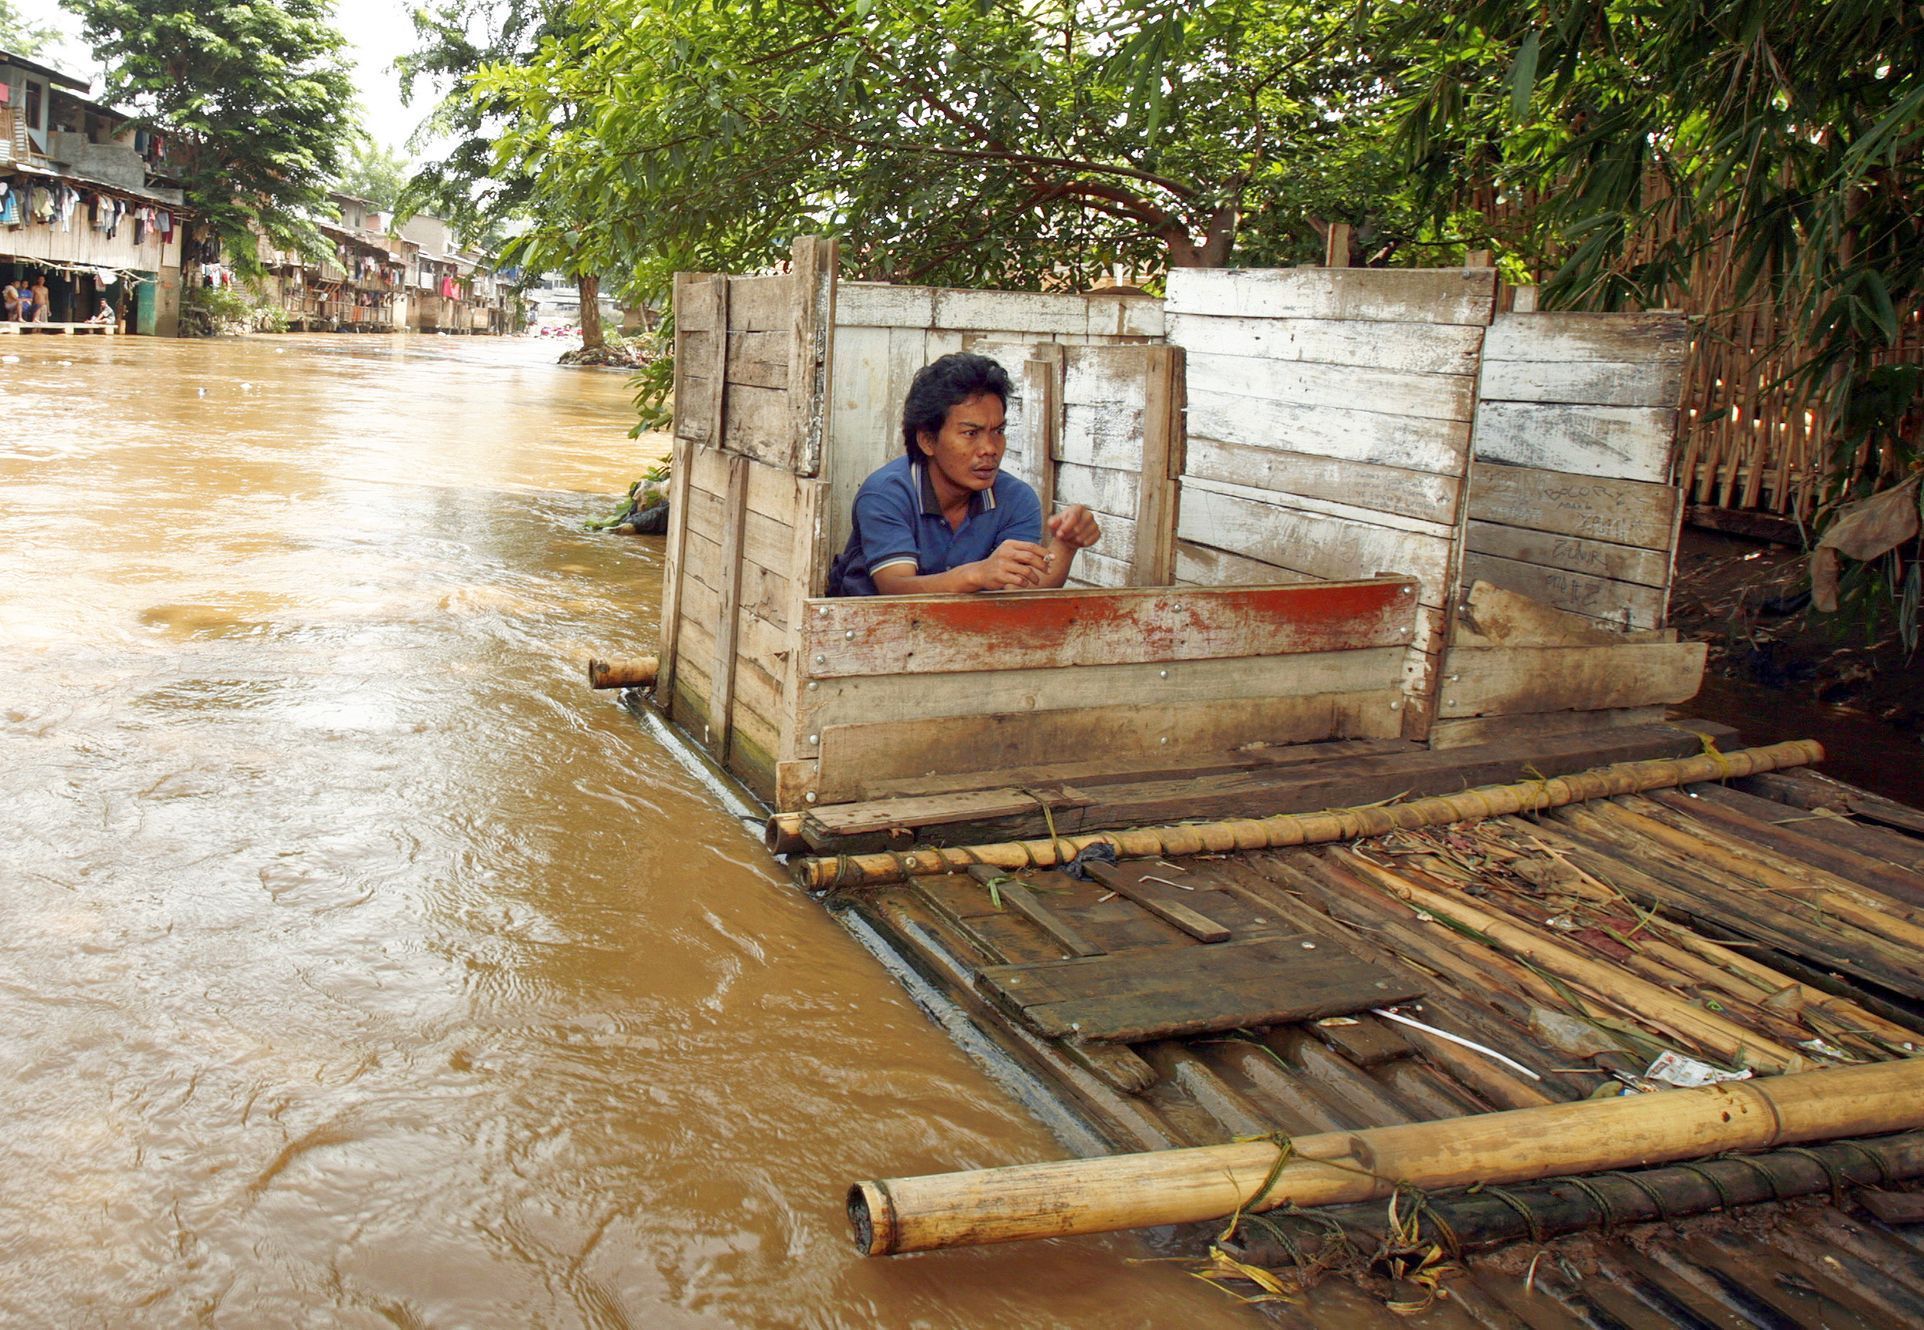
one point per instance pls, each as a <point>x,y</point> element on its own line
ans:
<point>1661,338</point>
<point>1042,376</point>
<point>1625,604</point>
<point>1164,992</point>
<point>1019,898</point>
<point>1133,881</point>
<point>1493,616</point>
<point>809,371</point>
<point>1625,512</point>
<point>760,304</point>
<point>857,761</point>
<point>1162,462</point>
<point>1473,731</point>
<point>1385,489</point>
<point>935,634</point>
<point>1620,442</point>
<point>1597,558</point>
<point>1414,348</point>
<point>1310,384</point>
<point>1418,443</point>
<point>728,622</point>
<point>1485,681</point>
<point>1322,544</point>
<point>888,821</point>
<point>1397,295</point>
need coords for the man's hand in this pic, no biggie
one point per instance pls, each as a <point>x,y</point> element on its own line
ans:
<point>1074,527</point>
<point>1015,564</point>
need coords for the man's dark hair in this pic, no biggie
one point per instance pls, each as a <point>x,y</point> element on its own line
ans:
<point>944,383</point>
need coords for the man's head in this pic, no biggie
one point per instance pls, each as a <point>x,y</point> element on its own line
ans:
<point>942,385</point>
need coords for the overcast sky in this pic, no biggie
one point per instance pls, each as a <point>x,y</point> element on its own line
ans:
<point>378,29</point>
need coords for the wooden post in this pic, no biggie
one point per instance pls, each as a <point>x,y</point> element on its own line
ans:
<point>681,461</point>
<point>1162,462</point>
<point>1042,409</point>
<point>1336,246</point>
<point>1522,1145</point>
<point>721,695</point>
<point>809,374</point>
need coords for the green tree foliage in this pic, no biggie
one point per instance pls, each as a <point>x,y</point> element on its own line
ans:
<point>376,174</point>
<point>20,34</point>
<point>966,141</point>
<point>1770,148</point>
<point>256,99</point>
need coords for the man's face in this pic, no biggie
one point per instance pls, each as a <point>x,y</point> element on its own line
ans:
<point>968,451</point>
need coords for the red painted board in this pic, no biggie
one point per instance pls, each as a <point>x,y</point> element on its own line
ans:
<point>1038,629</point>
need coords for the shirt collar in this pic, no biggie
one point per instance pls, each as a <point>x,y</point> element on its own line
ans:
<point>979,502</point>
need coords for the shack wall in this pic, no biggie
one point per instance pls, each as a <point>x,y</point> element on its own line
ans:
<point>1329,424</point>
<point>1262,429</point>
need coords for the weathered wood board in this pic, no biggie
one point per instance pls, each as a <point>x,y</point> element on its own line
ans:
<point>1032,630</point>
<point>1163,992</point>
<point>1485,681</point>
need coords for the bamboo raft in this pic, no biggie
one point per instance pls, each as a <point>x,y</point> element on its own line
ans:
<point>1337,795</point>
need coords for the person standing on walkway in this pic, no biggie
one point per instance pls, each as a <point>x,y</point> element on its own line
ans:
<point>42,304</point>
<point>12,300</point>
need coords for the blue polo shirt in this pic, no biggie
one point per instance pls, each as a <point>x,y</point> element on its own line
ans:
<point>898,519</point>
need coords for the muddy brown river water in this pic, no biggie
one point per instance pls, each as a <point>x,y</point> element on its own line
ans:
<point>357,965</point>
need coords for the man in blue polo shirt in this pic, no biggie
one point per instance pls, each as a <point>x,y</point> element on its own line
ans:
<point>944,517</point>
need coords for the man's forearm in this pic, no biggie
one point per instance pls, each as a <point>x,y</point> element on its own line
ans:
<point>895,581</point>
<point>1061,556</point>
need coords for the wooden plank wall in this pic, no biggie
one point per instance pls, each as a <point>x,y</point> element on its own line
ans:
<point>1570,505</point>
<point>1570,494</point>
<point>1329,421</point>
<point>883,334</point>
<point>899,687</point>
<point>751,373</point>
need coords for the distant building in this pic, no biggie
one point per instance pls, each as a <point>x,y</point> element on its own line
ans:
<point>86,202</point>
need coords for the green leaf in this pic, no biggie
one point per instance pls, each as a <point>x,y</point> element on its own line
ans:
<point>1523,75</point>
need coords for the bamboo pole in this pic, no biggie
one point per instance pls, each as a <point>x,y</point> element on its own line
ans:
<point>782,833</point>
<point>1288,829</point>
<point>636,673</point>
<point>1069,1197</point>
<point>1652,1005</point>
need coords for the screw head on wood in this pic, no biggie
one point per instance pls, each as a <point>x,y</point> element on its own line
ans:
<point>813,685</point>
<point>814,738</point>
<point>850,634</point>
<point>1309,946</point>
<point>821,611</point>
<point>1162,674</point>
<point>821,660</point>
<point>809,798</point>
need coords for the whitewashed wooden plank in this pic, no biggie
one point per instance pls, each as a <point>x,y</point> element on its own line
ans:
<point>1621,442</point>
<point>1661,336</point>
<point>1415,295</point>
<point>1626,512</point>
<point>1349,512</point>
<point>1308,383</point>
<point>1329,548</point>
<point>1104,375</point>
<point>863,417</point>
<point>883,697</point>
<point>1133,316</point>
<point>1385,489</point>
<point>1102,436</point>
<point>1019,311</point>
<point>1118,541</point>
<point>1417,348</point>
<point>1620,563</point>
<point>1200,565</point>
<point>881,305</point>
<point>1098,570</point>
<point>1106,491</point>
<point>1590,382</point>
<point>1623,604</point>
<point>760,304</point>
<point>1414,442</point>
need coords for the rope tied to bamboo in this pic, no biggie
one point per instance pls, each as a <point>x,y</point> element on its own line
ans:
<point>1712,751</point>
<point>1716,1183</point>
<point>1520,1208</point>
<point>1830,1175</point>
<point>1285,1148</point>
<point>1650,1193</point>
<point>1606,1213</point>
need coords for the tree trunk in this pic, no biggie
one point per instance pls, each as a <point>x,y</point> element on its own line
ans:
<point>591,334</point>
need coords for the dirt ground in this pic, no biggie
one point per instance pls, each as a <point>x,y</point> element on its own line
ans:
<point>1779,670</point>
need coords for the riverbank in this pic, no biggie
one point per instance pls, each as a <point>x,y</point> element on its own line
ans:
<point>1779,670</point>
